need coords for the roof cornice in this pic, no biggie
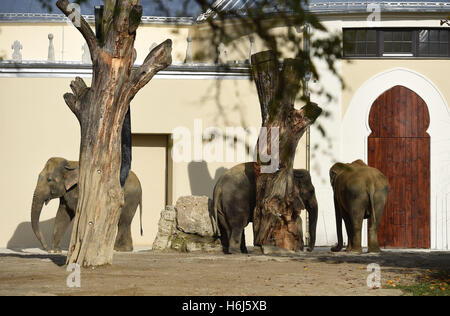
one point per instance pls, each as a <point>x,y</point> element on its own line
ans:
<point>61,18</point>
<point>342,7</point>
<point>319,8</point>
<point>33,69</point>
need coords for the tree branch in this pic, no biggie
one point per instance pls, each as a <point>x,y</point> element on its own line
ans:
<point>291,77</point>
<point>74,100</point>
<point>78,87</point>
<point>71,102</point>
<point>311,111</point>
<point>135,19</point>
<point>266,75</point>
<point>158,59</point>
<point>82,26</point>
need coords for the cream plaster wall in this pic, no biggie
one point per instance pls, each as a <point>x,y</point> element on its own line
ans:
<point>356,72</point>
<point>35,124</point>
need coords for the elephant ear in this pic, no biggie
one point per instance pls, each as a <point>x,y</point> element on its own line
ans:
<point>71,175</point>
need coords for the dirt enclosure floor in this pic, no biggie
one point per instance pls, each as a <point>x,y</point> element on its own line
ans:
<point>34,272</point>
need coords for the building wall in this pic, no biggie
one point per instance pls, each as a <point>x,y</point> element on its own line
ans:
<point>366,79</point>
<point>35,125</point>
<point>357,71</point>
<point>355,130</point>
<point>333,145</point>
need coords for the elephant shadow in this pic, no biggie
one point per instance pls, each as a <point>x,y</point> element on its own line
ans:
<point>200,180</point>
<point>24,236</point>
<point>202,184</point>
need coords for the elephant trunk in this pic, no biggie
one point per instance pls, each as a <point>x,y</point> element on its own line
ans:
<point>313,214</point>
<point>36,208</point>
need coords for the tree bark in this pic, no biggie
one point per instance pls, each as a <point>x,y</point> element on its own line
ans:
<point>278,204</point>
<point>101,110</point>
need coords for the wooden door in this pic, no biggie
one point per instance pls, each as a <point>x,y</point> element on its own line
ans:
<point>399,146</point>
<point>151,165</point>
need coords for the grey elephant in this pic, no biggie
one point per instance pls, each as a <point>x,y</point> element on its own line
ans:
<point>360,192</point>
<point>59,179</point>
<point>234,200</point>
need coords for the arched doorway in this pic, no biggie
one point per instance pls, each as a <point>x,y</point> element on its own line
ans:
<point>399,146</point>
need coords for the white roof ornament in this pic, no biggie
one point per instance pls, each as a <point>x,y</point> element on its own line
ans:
<point>188,59</point>
<point>86,57</point>
<point>222,57</point>
<point>16,55</point>
<point>51,49</point>
<point>252,48</point>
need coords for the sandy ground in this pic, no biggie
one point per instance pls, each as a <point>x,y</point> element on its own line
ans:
<point>34,272</point>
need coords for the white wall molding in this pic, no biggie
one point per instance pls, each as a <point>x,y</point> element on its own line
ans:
<point>25,69</point>
<point>355,131</point>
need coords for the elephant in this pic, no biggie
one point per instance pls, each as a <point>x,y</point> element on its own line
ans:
<point>234,200</point>
<point>59,179</point>
<point>360,192</point>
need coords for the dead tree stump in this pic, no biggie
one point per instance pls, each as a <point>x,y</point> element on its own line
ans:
<point>278,204</point>
<point>101,111</point>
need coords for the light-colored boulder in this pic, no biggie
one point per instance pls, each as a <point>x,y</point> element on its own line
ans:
<point>187,227</point>
<point>184,242</point>
<point>193,215</point>
<point>166,228</point>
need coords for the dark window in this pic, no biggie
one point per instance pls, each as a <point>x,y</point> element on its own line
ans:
<point>396,42</point>
<point>433,43</point>
<point>360,42</point>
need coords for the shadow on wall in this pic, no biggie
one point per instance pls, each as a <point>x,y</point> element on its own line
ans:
<point>200,180</point>
<point>24,236</point>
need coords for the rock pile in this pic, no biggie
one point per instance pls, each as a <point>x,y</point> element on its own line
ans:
<point>189,226</point>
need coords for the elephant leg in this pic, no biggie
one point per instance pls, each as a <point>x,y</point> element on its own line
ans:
<point>356,224</point>
<point>243,245</point>
<point>350,233</point>
<point>124,242</point>
<point>300,232</point>
<point>373,237</point>
<point>224,239</point>
<point>312,209</point>
<point>62,222</point>
<point>235,222</point>
<point>338,212</point>
<point>225,232</point>
<point>235,240</point>
<point>379,201</point>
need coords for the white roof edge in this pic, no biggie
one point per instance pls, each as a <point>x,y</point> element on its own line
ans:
<point>341,7</point>
<point>52,17</point>
<point>344,7</point>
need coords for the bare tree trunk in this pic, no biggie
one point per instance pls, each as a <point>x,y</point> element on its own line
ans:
<point>101,111</point>
<point>278,204</point>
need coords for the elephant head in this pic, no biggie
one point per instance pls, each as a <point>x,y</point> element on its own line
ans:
<point>340,167</point>
<point>336,170</point>
<point>57,177</point>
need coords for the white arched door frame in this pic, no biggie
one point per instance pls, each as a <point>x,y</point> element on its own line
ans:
<point>355,130</point>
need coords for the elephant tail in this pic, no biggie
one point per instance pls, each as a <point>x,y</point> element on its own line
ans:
<point>216,209</point>
<point>372,207</point>
<point>140,215</point>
